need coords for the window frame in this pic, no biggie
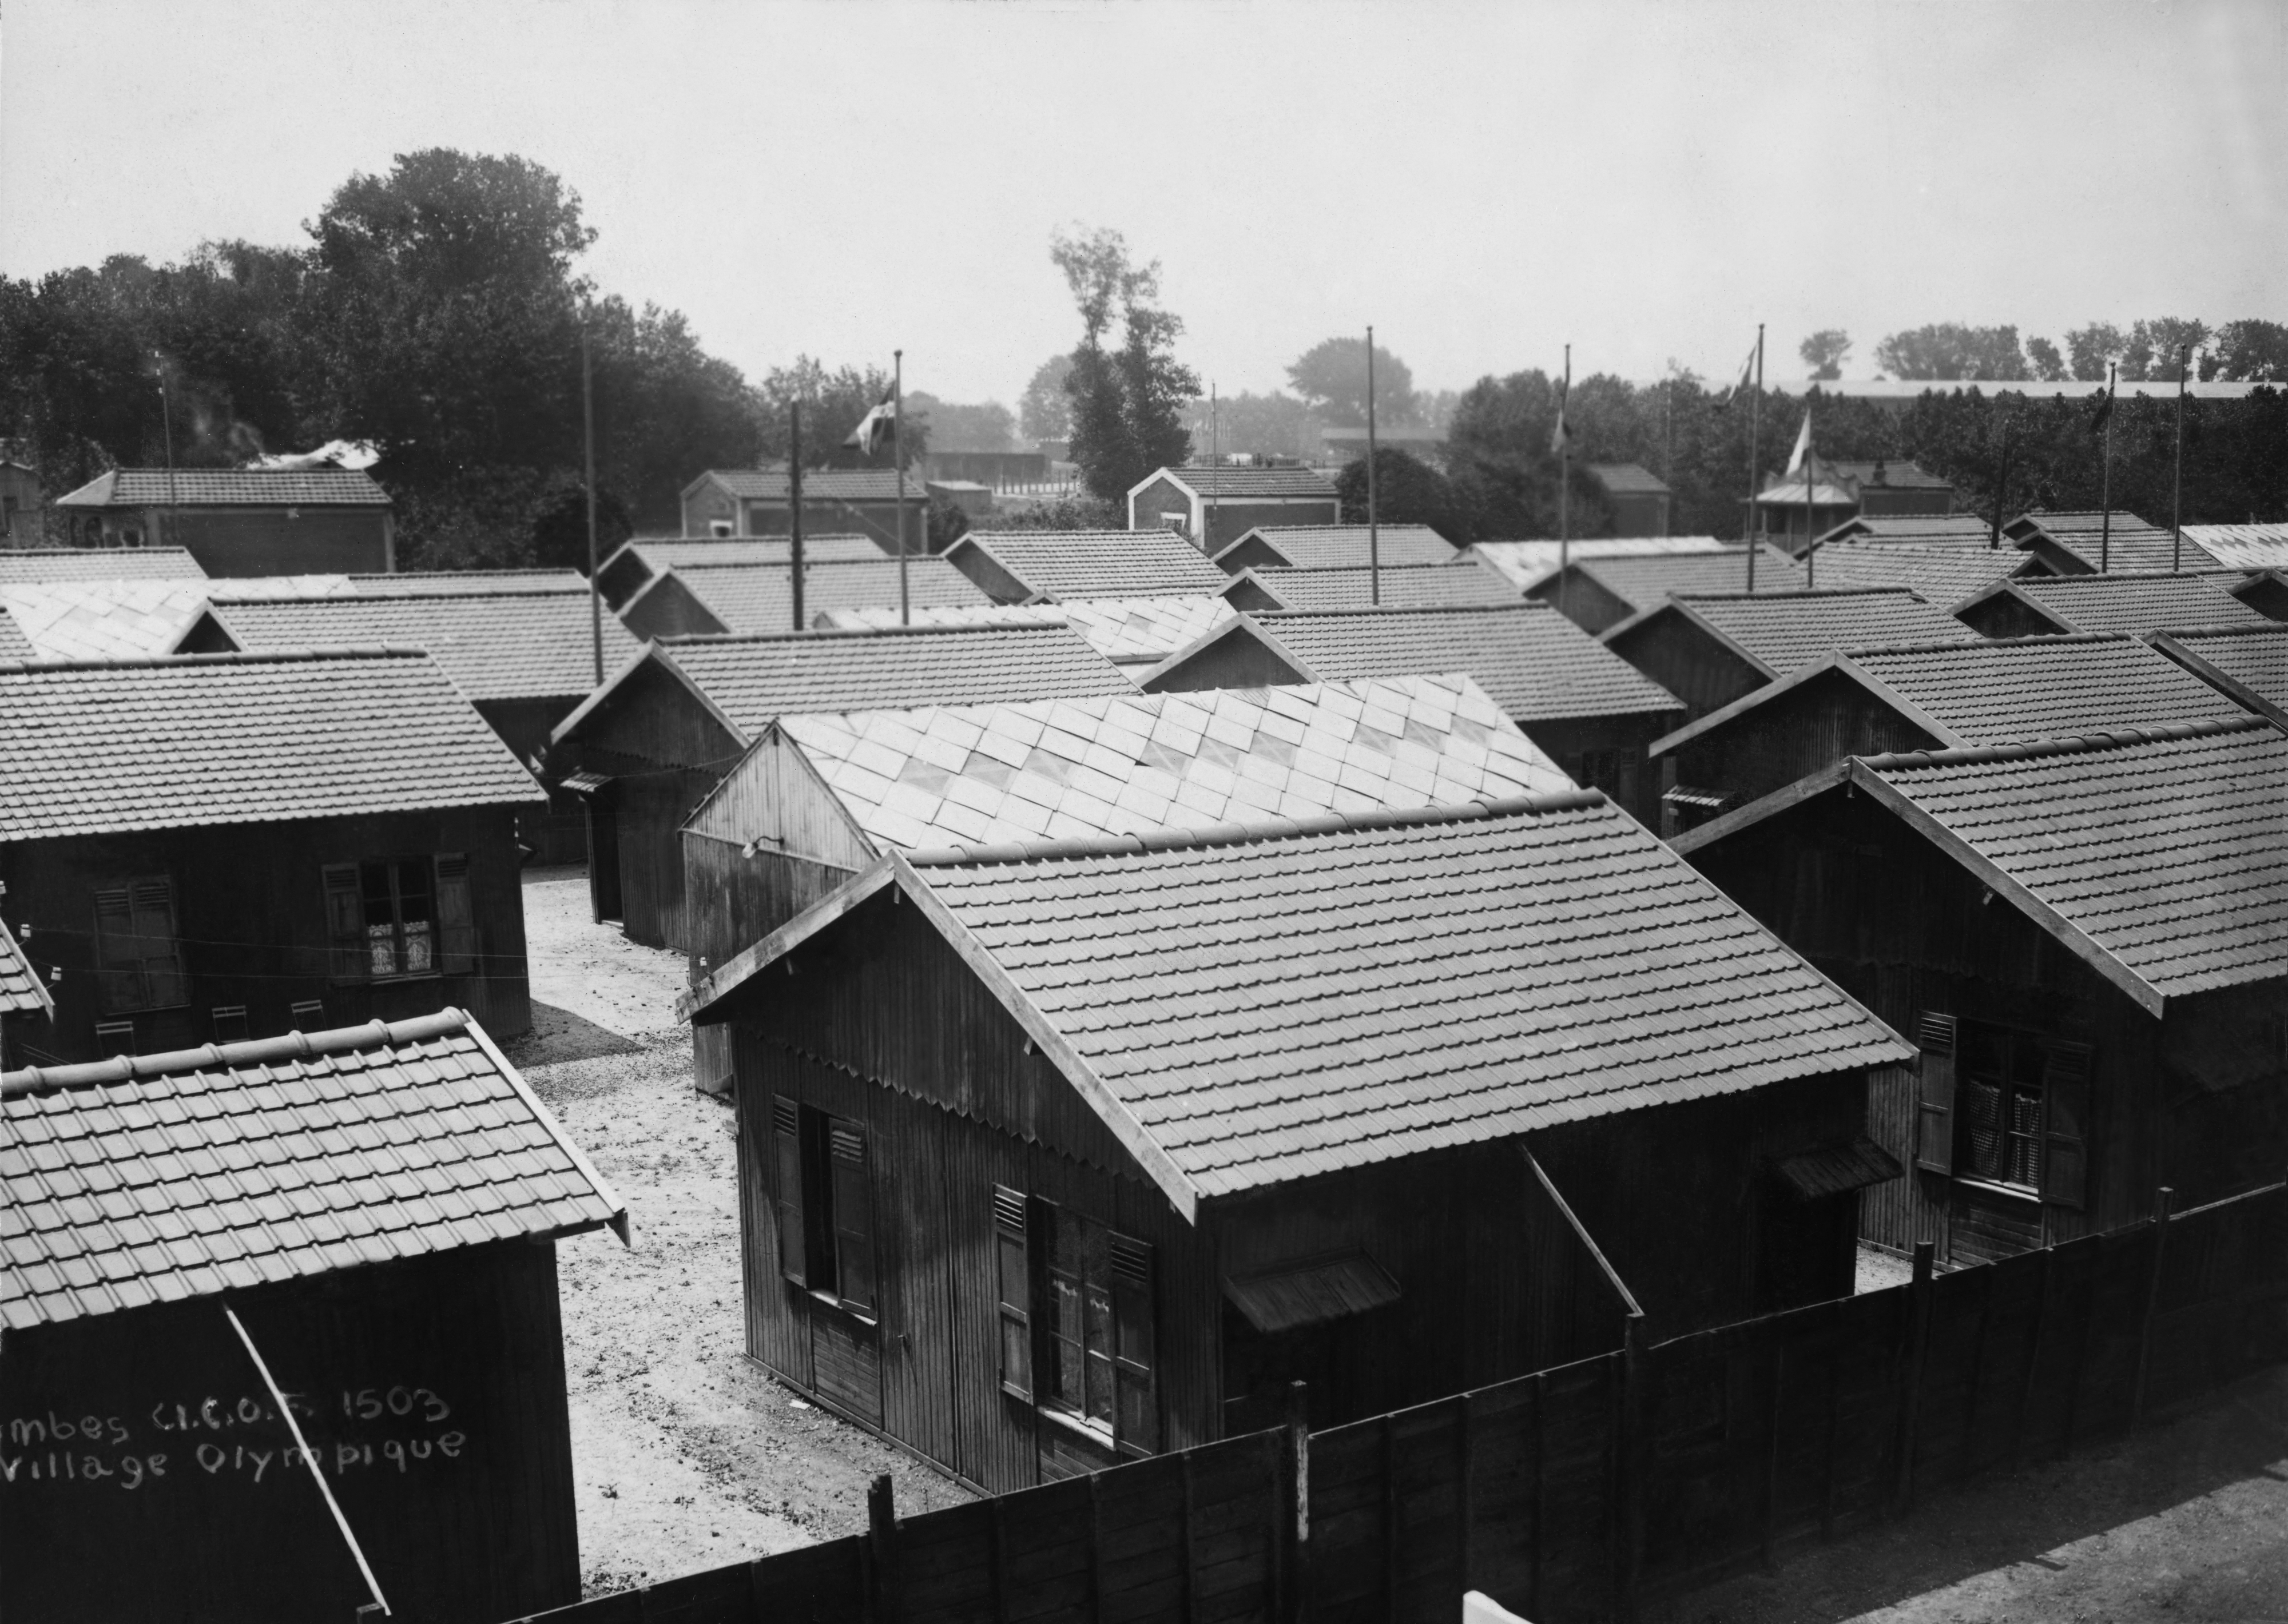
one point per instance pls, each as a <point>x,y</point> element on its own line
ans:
<point>134,897</point>
<point>1124,1366</point>
<point>453,932</point>
<point>823,1192</point>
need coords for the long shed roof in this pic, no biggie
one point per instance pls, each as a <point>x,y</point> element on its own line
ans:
<point>102,620</point>
<point>2124,542</point>
<point>1942,576</point>
<point>97,564</point>
<point>104,746</point>
<point>2258,546</point>
<point>2136,602</point>
<point>752,598</point>
<point>2250,662</point>
<point>523,643</point>
<point>1229,484</point>
<point>1321,546</point>
<point>1646,581</point>
<point>1095,563</point>
<point>1462,581</point>
<point>819,485</point>
<point>234,487</point>
<point>1261,1005</point>
<point>161,1177</point>
<point>1780,631</point>
<point>1528,564</point>
<point>1128,630</point>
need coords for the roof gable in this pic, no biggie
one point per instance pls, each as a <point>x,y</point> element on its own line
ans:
<point>277,1160</point>
<point>760,598</point>
<point>1645,581</point>
<point>1088,564</point>
<point>1462,581</point>
<point>1526,565</point>
<point>1323,546</point>
<point>91,748</point>
<point>2135,602</point>
<point>2249,662</point>
<point>1231,483</point>
<point>104,620</point>
<point>1780,631</point>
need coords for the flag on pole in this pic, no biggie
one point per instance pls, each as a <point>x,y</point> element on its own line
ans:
<point>2104,410</point>
<point>1802,444</point>
<point>875,426</point>
<point>1560,438</point>
<point>1747,376</point>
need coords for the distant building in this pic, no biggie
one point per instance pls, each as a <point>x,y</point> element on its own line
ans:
<point>1638,499</point>
<point>974,497</point>
<point>991,469</point>
<point>641,558</point>
<point>1214,507</point>
<point>1419,440</point>
<point>1841,491</point>
<point>729,501</point>
<point>241,521</point>
<point>20,524</point>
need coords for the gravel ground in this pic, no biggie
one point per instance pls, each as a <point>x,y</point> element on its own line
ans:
<point>685,1455</point>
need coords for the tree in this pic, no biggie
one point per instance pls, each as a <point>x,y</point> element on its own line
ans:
<point>2250,352</point>
<point>832,403</point>
<point>2155,347</point>
<point>954,427</point>
<point>1406,491</point>
<point>2049,366</point>
<point>1823,352</point>
<point>1331,378</point>
<point>2089,348</point>
<point>1045,410</point>
<point>1128,403</point>
<point>1274,425</point>
<point>1951,350</point>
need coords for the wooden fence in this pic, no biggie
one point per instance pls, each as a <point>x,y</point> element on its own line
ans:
<point>1570,1494</point>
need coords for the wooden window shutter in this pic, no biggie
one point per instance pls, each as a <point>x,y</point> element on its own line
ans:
<point>164,983</point>
<point>346,957</point>
<point>852,1202</point>
<point>1136,1407</point>
<point>119,968</point>
<point>1934,1034</point>
<point>457,916</point>
<point>1014,1277</point>
<point>786,1164</point>
<point>2065,1123</point>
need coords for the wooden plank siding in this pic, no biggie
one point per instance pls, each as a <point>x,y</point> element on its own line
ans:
<point>1688,661</point>
<point>1810,729</point>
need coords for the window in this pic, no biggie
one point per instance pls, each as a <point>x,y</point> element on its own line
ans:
<point>227,1024</point>
<point>1083,1318</point>
<point>401,916</point>
<point>825,1200</point>
<point>138,958</point>
<point>2004,1106</point>
<point>720,528</point>
<point>1179,521</point>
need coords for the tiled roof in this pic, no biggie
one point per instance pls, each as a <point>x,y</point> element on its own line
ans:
<point>1068,769</point>
<point>818,485</point>
<point>232,487</point>
<point>2254,658</point>
<point>674,552</point>
<point>1528,564</point>
<point>90,747</point>
<point>1645,582</point>
<point>13,644</point>
<point>164,1178</point>
<point>1535,664</point>
<point>104,619</point>
<point>2133,545</point>
<point>21,990</point>
<point>2242,546</point>
<point>1131,630</point>
<point>1948,530</point>
<point>1784,631</point>
<point>1238,484</point>
<point>1626,479</point>
<point>1321,546</point>
<point>2027,688</point>
<point>1894,473</point>
<point>97,564</point>
<point>524,643</point>
<point>1464,581</point>
<point>2165,850</point>
<point>1098,563</point>
<point>755,680</point>
<point>2137,603</point>
<point>1941,575</point>
<point>1281,1007</point>
<point>751,598</point>
<point>458,581</point>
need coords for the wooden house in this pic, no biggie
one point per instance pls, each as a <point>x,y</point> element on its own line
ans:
<point>242,1272</point>
<point>710,598</point>
<point>1134,633</point>
<point>1945,576</point>
<point>1639,499</point>
<point>28,566</point>
<point>2085,938</point>
<point>1590,711</point>
<point>1018,567</point>
<point>2264,591</point>
<point>1795,508</point>
<point>2032,605</point>
<point>743,502</point>
<point>1929,696</point>
<point>1845,492</point>
<point>1710,650</point>
<point>638,559</point>
<point>221,846</point>
<point>647,746</point>
<point>24,1002</point>
<point>1211,508</point>
<point>1963,532</point>
<point>524,656</point>
<point>102,620</point>
<point>1333,546</point>
<point>1462,579</point>
<point>820,796</point>
<point>241,521</point>
<point>2249,664</point>
<point>1599,591</point>
<point>2082,543</point>
<point>1054,1154</point>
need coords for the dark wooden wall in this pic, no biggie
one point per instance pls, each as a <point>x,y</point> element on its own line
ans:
<point>557,834</point>
<point>1234,661</point>
<point>251,917</point>
<point>2005,615</point>
<point>1809,728</point>
<point>1636,786</point>
<point>1588,604</point>
<point>668,608</point>
<point>455,1359</point>
<point>732,901</point>
<point>1689,663</point>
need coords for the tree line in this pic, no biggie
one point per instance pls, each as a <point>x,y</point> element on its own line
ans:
<point>2246,350</point>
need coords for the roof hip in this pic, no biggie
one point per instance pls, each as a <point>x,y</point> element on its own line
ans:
<point>256,1051</point>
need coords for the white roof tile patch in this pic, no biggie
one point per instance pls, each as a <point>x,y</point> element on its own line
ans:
<point>1128,765</point>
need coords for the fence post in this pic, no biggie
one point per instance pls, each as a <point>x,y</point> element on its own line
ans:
<point>882,1551</point>
<point>1628,1532</point>
<point>1298,1521</point>
<point>1911,1389</point>
<point>2163,1199</point>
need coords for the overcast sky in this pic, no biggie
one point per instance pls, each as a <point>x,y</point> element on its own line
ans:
<point>1482,182</point>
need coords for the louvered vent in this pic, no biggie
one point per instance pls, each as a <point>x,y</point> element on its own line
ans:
<point>2067,1062</point>
<point>1008,1210</point>
<point>783,1115</point>
<point>1934,1033</point>
<point>1131,1261</point>
<point>846,1143</point>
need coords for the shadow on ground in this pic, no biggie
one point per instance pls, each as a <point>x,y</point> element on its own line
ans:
<point>558,1035</point>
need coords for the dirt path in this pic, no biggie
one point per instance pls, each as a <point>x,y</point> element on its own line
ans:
<point>685,1455</point>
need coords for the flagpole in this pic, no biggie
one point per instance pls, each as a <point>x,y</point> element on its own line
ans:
<point>2105,481</point>
<point>1373,524</point>
<point>1215,469</point>
<point>2177,492</point>
<point>1755,422</point>
<point>898,467</point>
<point>794,505</point>
<point>1564,491</point>
<point>1810,564</point>
<point>588,448</point>
<point>2001,478</point>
